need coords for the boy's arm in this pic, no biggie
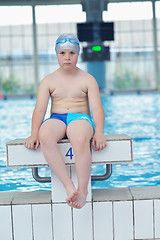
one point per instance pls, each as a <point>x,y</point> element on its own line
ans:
<point>99,140</point>
<point>32,142</point>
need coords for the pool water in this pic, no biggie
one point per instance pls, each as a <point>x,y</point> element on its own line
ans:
<point>136,115</point>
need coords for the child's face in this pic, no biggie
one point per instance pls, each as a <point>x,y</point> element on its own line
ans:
<point>67,58</point>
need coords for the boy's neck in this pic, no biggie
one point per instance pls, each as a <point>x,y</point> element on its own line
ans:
<point>70,72</point>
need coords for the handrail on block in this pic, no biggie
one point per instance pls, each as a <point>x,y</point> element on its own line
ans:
<point>103,177</point>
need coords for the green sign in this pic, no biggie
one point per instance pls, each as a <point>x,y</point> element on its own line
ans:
<point>96,48</point>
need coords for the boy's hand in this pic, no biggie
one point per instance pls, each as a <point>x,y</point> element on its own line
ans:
<point>99,142</point>
<point>31,142</point>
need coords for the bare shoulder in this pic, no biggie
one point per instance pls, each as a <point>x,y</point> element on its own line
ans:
<point>48,81</point>
<point>91,83</point>
<point>88,78</point>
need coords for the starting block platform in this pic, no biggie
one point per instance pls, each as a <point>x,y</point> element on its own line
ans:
<point>119,150</point>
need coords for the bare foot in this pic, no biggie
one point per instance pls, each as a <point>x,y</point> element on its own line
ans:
<point>71,192</point>
<point>78,200</point>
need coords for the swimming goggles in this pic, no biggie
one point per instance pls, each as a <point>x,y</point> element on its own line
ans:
<point>64,40</point>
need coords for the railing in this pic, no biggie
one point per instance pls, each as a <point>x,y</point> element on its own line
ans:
<point>103,177</point>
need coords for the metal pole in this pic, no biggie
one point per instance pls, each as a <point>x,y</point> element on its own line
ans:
<point>35,50</point>
<point>155,42</point>
<point>103,177</point>
<point>39,178</point>
<point>94,11</point>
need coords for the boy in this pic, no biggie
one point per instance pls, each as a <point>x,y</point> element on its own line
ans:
<point>71,91</point>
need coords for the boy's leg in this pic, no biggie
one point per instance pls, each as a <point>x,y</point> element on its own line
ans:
<point>80,133</point>
<point>50,133</point>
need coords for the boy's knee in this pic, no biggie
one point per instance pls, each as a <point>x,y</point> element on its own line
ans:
<point>44,137</point>
<point>80,142</point>
<point>41,134</point>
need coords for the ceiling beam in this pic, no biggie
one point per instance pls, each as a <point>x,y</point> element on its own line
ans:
<point>37,2</point>
<point>53,2</point>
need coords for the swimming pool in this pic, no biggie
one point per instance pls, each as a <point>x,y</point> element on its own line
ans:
<point>134,114</point>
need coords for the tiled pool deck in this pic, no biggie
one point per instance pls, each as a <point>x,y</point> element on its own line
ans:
<point>116,214</point>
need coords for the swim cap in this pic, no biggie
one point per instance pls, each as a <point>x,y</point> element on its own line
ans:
<point>67,41</point>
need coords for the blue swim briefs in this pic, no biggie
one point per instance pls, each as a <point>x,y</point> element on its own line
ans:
<point>69,117</point>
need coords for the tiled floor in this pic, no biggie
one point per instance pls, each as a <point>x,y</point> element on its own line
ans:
<point>113,214</point>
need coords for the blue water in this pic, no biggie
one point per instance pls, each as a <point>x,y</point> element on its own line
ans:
<point>132,114</point>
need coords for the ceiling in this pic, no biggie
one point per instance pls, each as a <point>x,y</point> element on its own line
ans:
<point>52,2</point>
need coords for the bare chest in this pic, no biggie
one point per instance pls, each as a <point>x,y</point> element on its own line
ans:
<point>69,89</point>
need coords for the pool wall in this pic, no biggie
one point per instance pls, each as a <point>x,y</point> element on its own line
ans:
<point>116,214</point>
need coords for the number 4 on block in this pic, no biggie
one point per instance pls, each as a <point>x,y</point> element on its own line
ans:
<point>70,153</point>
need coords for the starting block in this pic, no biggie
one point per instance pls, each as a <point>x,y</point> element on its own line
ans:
<point>118,150</point>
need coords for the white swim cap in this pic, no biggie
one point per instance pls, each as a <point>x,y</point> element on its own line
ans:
<point>67,41</point>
